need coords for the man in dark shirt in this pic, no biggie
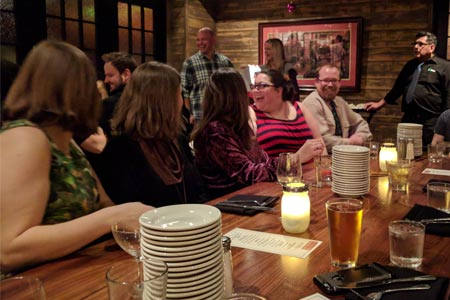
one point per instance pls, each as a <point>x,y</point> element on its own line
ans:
<point>424,83</point>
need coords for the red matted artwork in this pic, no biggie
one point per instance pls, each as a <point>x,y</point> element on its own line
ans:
<point>311,43</point>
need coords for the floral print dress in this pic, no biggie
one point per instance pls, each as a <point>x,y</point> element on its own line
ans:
<point>73,188</point>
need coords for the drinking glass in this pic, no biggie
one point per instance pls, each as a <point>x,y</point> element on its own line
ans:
<point>344,227</point>
<point>438,195</point>
<point>406,240</point>
<point>137,279</point>
<point>127,234</point>
<point>323,172</point>
<point>289,169</point>
<point>22,288</point>
<point>398,173</point>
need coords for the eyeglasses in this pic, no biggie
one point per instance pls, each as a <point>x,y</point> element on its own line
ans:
<point>419,43</point>
<point>260,85</point>
<point>328,81</point>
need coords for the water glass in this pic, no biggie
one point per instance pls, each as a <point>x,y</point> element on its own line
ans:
<point>344,228</point>
<point>137,279</point>
<point>435,153</point>
<point>438,195</point>
<point>127,234</point>
<point>289,169</point>
<point>406,240</point>
<point>323,170</point>
<point>398,173</point>
<point>374,148</point>
<point>22,288</point>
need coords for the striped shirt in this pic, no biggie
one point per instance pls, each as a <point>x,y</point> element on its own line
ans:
<point>194,74</point>
<point>277,136</point>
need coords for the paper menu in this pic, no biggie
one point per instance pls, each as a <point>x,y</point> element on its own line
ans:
<point>272,243</point>
<point>436,172</point>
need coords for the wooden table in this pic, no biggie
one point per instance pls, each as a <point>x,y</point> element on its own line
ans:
<point>82,274</point>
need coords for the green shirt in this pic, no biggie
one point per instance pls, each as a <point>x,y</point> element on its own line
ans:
<point>73,188</point>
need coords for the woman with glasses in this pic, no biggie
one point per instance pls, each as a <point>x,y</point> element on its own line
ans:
<point>281,124</point>
<point>227,153</point>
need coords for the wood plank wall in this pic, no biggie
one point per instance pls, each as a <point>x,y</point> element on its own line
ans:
<point>389,28</point>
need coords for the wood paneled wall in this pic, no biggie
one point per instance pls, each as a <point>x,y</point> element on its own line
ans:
<point>388,29</point>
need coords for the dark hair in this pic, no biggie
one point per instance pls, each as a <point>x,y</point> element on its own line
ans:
<point>148,107</point>
<point>120,60</point>
<point>290,89</point>
<point>431,38</point>
<point>56,85</point>
<point>225,99</point>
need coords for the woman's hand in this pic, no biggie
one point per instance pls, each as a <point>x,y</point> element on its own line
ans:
<point>311,149</point>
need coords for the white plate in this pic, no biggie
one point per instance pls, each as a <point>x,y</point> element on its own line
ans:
<point>350,148</point>
<point>178,243</point>
<point>194,270</point>
<point>180,217</point>
<point>209,282</point>
<point>189,280</point>
<point>183,258</point>
<point>206,293</point>
<point>175,268</point>
<point>181,233</point>
<point>190,262</point>
<point>165,255</point>
<point>164,238</point>
<point>145,244</point>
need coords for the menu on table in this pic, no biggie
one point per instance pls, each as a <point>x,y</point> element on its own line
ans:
<point>272,243</point>
<point>436,172</point>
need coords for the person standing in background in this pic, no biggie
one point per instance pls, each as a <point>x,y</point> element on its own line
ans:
<point>424,83</point>
<point>197,69</point>
<point>275,56</point>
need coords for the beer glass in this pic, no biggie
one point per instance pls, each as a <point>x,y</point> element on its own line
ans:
<point>344,227</point>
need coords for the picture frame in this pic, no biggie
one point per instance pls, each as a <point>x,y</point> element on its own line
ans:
<point>311,43</point>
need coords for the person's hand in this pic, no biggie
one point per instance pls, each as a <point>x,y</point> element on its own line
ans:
<point>374,105</point>
<point>356,139</point>
<point>310,149</point>
<point>129,209</point>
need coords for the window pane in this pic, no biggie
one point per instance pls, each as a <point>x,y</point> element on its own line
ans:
<point>123,40</point>
<point>7,4</point>
<point>148,43</point>
<point>148,19</point>
<point>122,9</point>
<point>136,41</point>
<point>88,10</point>
<point>54,29</point>
<point>138,59</point>
<point>73,36</point>
<point>149,58</point>
<point>89,35</point>
<point>72,9</point>
<point>136,17</point>
<point>8,27</point>
<point>53,7</point>
<point>8,53</point>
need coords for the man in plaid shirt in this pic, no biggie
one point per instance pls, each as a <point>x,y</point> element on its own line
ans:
<point>197,69</point>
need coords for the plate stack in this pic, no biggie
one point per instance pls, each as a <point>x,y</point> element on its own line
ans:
<point>351,170</point>
<point>188,238</point>
<point>411,131</point>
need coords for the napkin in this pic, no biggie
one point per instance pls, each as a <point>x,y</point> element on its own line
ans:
<point>437,292</point>
<point>420,212</point>
<point>241,204</point>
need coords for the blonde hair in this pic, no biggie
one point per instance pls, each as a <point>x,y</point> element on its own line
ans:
<point>279,58</point>
<point>55,86</point>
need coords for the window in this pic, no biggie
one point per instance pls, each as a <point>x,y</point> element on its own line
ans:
<point>74,22</point>
<point>8,36</point>
<point>135,30</point>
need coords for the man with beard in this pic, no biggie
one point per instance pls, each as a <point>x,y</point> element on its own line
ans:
<point>424,83</point>
<point>338,123</point>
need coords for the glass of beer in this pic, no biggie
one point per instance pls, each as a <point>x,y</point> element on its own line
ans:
<point>344,227</point>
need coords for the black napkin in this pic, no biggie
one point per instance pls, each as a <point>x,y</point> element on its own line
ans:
<point>437,292</point>
<point>420,212</point>
<point>241,202</point>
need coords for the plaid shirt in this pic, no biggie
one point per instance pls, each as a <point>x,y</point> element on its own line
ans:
<point>194,74</point>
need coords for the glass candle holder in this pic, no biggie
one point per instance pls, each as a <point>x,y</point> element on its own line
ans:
<point>388,152</point>
<point>295,208</point>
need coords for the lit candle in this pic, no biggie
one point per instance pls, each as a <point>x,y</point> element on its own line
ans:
<point>387,152</point>
<point>295,208</point>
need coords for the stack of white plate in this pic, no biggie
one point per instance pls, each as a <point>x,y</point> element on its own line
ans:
<point>351,170</point>
<point>411,131</point>
<point>188,238</point>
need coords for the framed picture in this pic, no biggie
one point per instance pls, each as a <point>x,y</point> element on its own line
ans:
<point>311,43</point>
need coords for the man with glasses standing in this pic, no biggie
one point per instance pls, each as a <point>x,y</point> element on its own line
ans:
<point>424,83</point>
<point>338,123</point>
